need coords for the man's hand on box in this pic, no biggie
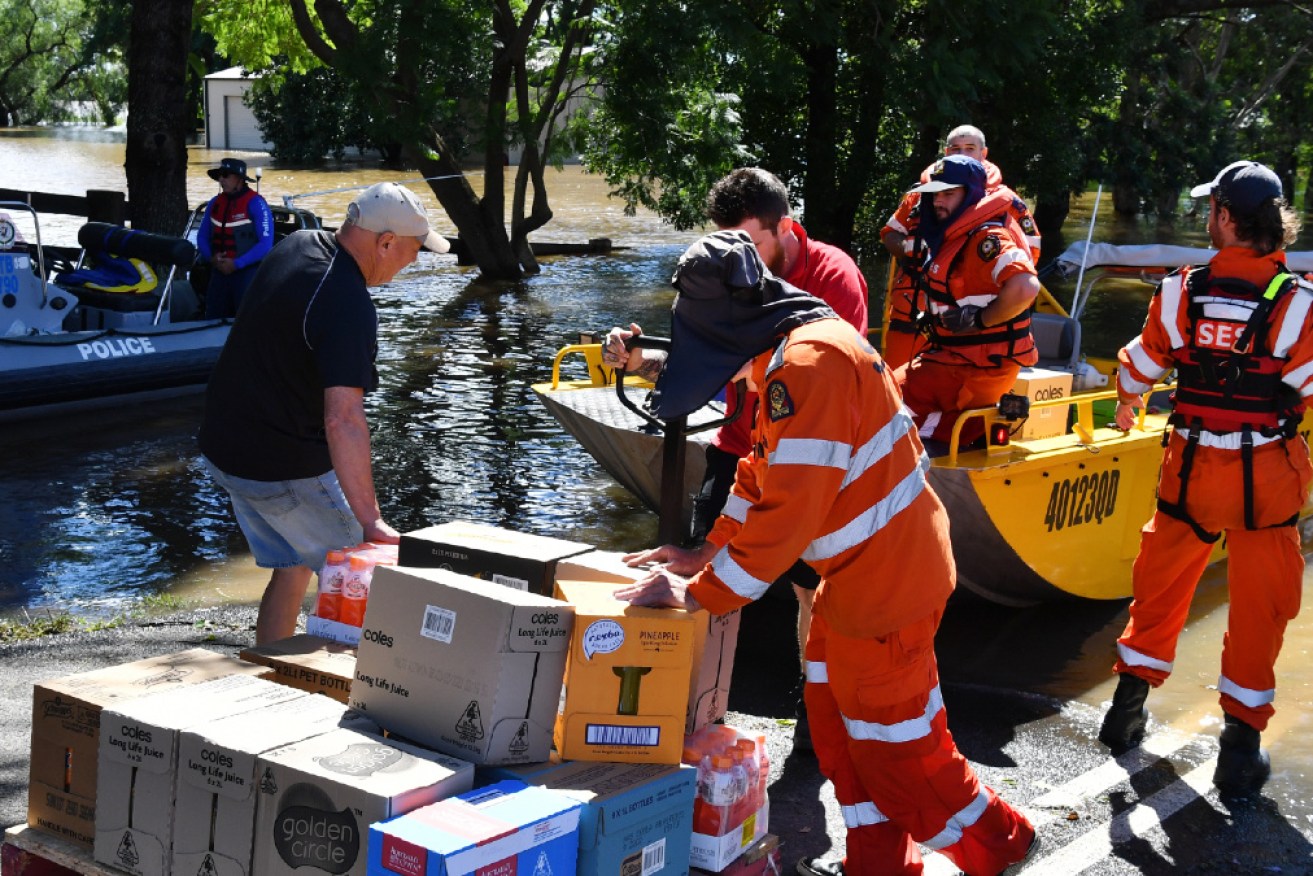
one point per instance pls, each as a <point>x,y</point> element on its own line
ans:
<point>681,561</point>
<point>659,589</point>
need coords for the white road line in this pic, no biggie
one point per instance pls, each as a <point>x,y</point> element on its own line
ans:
<point>1066,797</point>
<point>1072,794</point>
<point>1097,844</point>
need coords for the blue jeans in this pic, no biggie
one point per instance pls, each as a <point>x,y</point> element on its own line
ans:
<point>290,523</point>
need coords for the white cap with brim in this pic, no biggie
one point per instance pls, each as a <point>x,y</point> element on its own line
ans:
<point>387,206</point>
<point>937,186</point>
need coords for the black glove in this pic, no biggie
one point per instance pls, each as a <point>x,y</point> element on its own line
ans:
<point>966,318</point>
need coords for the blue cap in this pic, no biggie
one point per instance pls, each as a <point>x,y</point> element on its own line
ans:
<point>1242,185</point>
<point>953,171</point>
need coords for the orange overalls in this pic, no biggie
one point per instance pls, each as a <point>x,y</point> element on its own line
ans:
<point>955,373</point>
<point>1265,567</point>
<point>903,340</point>
<point>838,478</point>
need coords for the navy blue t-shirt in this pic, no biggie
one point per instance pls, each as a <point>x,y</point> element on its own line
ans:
<point>307,323</point>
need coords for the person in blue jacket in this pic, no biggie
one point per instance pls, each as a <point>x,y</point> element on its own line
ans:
<point>236,232</point>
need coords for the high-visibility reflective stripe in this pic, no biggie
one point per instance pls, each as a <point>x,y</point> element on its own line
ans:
<point>903,731</point>
<point>873,519</point>
<point>879,446</point>
<point>816,672</point>
<point>811,451</point>
<point>736,578</point>
<point>931,424</point>
<point>1142,361</point>
<point>895,225</point>
<point>736,508</point>
<point>1035,242</point>
<point>1227,308</point>
<point>1298,377</point>
<point>1229,441</point>
<point>977,300</point>
<point>862,815</point>
<point>1248,696</point>
<point>961,820</point>
<point>1169,295</point>
<point>1131,657</point>
<point>1011,257</point>
<point>1292,324</point>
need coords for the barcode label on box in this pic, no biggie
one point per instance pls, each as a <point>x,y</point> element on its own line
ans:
<point>654,857</point>
<point>439,624</point>
<point>611,734</point>
<point>514,583</point>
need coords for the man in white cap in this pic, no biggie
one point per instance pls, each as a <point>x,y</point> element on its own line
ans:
<point>284,430</point>
<point>1239,333</point>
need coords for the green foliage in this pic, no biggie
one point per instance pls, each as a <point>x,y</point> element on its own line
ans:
<point>255,33</point>
<point>58,55</point>
<point>308,116</point>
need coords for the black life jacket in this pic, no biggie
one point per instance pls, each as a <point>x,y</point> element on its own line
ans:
<point>1227,375</point>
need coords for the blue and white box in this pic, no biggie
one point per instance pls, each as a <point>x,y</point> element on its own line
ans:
<point>637,818</point>
<point>506,828</point>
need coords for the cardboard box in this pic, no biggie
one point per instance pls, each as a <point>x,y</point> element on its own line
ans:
<point>636,817</point>
<point>139,765</point>
<point>715,853</point>
<point>462,666</point>
<point>309,663</point>
<point>319,796</point>
<point>1041,384</point>
<point>762,858</point>
<point>515,559</point>
<point>506,828</point>
<point>627,678</point>
<point>334,631</point>
<point>214,814</point>
<point>715,638</point>
<point>66,731</point>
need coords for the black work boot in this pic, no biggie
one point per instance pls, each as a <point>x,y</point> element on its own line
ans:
<point>1123,726</point>
<point>820,867</point>
<point>1242,767</point>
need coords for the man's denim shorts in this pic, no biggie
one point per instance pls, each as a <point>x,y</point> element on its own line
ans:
<point>290,523</point>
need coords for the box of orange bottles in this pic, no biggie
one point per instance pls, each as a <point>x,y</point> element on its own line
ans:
<point>343,591</point>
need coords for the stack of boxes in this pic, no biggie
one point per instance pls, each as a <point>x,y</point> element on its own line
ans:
<point>234,775</point>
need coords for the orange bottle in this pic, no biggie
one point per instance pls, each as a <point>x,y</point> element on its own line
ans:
<point>328,604</point>
<point>355,590</point>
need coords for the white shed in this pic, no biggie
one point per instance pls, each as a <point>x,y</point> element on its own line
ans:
<point>229,123</point>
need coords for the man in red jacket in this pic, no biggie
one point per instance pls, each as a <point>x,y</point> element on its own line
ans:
<point>837,477</point>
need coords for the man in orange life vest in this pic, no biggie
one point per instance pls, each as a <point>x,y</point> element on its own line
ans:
<point>837,477</point>
<point>905,303</point>
<point>980,283</point>
<point>1240,336</point>
<point>237,231</point>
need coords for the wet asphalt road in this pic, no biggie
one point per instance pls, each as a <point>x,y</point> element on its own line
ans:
<point>1152,811</point>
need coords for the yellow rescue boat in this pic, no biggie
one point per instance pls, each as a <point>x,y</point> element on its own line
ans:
<point>1035,517</point>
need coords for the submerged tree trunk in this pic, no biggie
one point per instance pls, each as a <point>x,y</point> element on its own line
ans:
<point>156,154</point>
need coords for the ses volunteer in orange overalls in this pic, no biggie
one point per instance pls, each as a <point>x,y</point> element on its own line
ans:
<point>980,283</point>
<point>837,477</point>
<point>1240,336</point>
<point>905,304</point>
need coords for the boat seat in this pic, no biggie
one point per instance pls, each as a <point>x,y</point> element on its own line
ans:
<point>122,302</point>
<point>1057,338</point>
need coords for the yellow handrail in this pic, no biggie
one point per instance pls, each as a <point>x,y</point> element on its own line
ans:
<point>1083,401</point>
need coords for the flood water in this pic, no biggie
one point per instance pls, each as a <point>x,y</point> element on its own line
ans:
<point>100,510</point>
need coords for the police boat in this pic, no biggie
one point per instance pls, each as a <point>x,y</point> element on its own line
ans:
<point>121,323</point>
